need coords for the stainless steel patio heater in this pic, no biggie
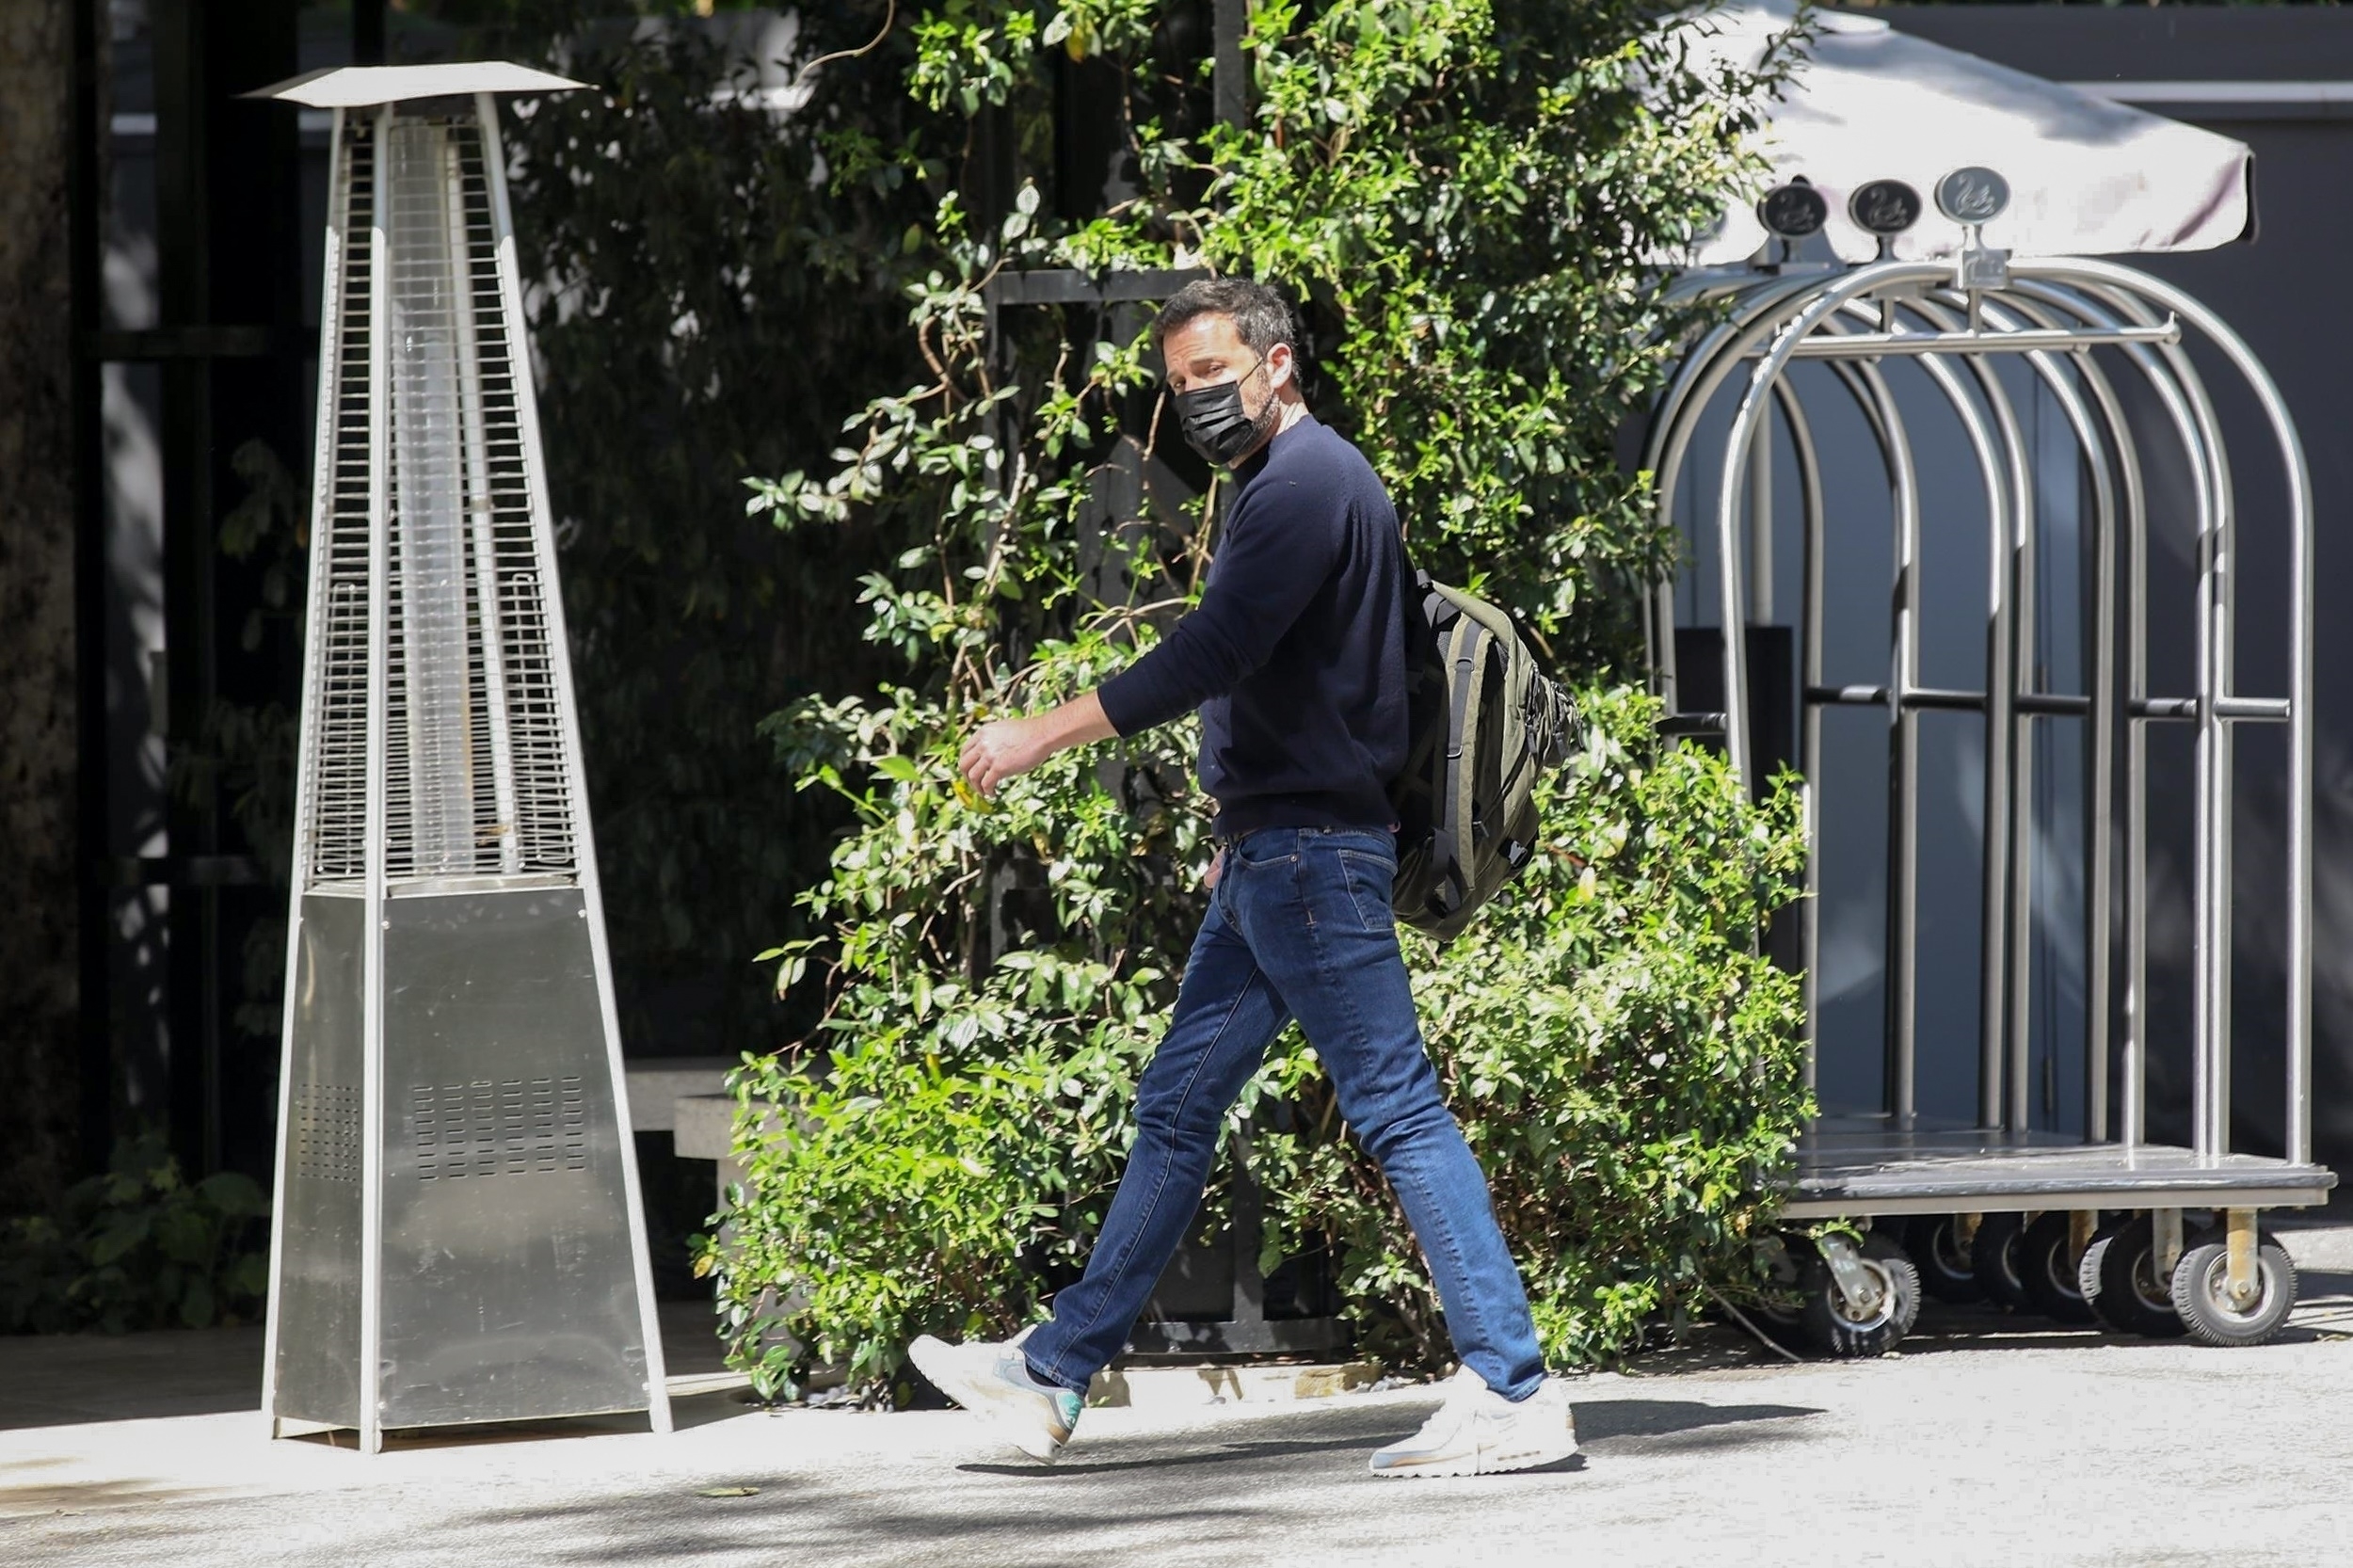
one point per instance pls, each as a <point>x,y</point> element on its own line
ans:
<point>457,1236</point>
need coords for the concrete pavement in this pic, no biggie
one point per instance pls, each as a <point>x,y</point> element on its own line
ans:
<point>1990,1440</point>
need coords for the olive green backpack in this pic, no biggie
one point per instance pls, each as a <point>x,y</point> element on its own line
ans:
<point>1484,720</point>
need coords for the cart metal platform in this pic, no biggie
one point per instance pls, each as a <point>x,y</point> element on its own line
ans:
<point>1861,1166</point>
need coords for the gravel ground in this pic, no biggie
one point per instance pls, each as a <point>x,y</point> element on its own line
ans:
<point>1989,1440</point>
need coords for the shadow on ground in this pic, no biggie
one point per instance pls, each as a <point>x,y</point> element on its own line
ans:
<point>69,1379</point>
<point>1190,1495</point>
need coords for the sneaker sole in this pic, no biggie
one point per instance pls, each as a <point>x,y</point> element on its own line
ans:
<point>1480,1465</point>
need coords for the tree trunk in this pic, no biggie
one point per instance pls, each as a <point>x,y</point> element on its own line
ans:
<point>40,915</point>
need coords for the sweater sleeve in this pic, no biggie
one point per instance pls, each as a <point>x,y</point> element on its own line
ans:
<point>1280,546</point>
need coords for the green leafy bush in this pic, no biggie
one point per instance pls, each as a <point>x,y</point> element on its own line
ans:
<point>1471,199</point>
<point>138,1248</point>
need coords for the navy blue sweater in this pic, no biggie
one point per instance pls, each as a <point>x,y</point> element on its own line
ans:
<point>1296,653</point>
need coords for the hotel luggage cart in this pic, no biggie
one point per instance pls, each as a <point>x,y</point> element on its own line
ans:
<point>2152,1238</point>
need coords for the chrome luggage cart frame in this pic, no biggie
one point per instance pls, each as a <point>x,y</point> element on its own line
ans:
<point>2074,324</point>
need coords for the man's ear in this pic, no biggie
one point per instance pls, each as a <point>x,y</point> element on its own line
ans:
<point>1280,366</point>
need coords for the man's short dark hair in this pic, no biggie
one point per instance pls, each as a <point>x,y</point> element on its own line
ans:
<point>1260,317</point>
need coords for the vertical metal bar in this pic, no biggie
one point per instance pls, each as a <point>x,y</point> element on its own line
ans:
<point>576,786</point>
<point>2100,821</point>
<point>315,661</point>
<point>2210,1045</point>
<point>2298,1122</point>
<point>1903,802</point>
<point>2005,543</point>
<point>1658,623</point>
<point>2225,611</point>
<point>476,502</point>
<point>2133,1091</point>
<point>1731,597</point>
<point>2017,1115</point>
<point>1809,713</point>
<point>1760,460</point>
<point>2208,894</point>
<point>373,1120</point>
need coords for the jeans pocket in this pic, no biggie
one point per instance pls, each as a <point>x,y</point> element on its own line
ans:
<point>1269,846</point>
<point>1369,879</point>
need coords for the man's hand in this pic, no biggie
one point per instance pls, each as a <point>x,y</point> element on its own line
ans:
<point>1007,748</point>
<point>1217,868</point>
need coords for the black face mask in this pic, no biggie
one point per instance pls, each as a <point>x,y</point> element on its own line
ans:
<point>1215,425</point>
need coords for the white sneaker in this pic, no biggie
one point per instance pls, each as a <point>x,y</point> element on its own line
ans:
<point>1479,1432</point>
<point>992,1380</point>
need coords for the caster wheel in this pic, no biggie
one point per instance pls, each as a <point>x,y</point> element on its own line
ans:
<point>1832,1326</point>
<point>2201,1294</point>
<point>1937,1251</point>
<point>2120,1280</point>
<point>2088,1272</point>
<point>2087,1266</point>
<point>1993,1261</point>
<point>2048,1273</point>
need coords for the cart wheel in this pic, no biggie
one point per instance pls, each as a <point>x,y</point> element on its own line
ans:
<point>2201,1294</point>
<point>2087,1266</point>
<point>2048,1273</point>
<point>2087,1270</point>
<point>1832,1327</point>
<point>1936,1245</point>
<point>2119,1273</point>
<point>1994,1260</point>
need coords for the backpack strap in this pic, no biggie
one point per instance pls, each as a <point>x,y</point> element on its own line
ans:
<point>1455,842</point>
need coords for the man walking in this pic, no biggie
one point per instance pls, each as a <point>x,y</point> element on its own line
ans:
<point>1296,658</point>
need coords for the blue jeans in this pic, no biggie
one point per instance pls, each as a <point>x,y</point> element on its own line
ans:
<point>1300,925</point>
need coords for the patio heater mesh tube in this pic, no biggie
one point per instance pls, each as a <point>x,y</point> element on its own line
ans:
<point>476,766</point>
<point>432,668</point>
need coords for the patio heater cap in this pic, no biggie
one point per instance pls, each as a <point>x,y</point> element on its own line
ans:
<point>364,87</point>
